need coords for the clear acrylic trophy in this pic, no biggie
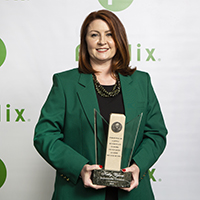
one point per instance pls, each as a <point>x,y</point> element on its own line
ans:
<point>121,141</point>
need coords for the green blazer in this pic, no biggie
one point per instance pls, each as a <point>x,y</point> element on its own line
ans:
<point>64,134</point>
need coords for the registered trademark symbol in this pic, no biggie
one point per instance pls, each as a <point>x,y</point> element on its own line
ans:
<point>160,180</point>
<point>159,59</point>
<point>29,120</point>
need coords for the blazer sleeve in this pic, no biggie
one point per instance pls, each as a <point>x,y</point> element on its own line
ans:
<point>154,133</point>
<point>48,135</point>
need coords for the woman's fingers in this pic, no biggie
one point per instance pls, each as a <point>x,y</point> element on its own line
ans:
<point>134,169</point>
<point>86,173</point>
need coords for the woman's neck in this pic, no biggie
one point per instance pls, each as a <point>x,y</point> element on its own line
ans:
<point>104,74</point>
<point>105,78</point>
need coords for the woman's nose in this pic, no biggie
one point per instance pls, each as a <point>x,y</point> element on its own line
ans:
<point>102,40</point>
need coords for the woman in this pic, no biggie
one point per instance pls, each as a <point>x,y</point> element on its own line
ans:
<point>104,81</point>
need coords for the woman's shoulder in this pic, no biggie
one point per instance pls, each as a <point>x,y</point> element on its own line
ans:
<point>140,75</point>
<point>68,75</point>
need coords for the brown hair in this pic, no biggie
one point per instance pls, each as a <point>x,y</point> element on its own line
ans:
<point>120,62</point>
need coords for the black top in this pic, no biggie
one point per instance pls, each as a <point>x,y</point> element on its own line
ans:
<point>108,105</point>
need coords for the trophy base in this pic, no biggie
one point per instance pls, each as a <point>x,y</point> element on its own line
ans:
<point>111,178</point>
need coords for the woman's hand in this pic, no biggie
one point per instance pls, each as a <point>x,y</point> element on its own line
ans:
<point>134,169</point>
<point>86,173</point>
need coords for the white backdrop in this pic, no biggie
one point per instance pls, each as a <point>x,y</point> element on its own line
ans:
<point>41,39</point>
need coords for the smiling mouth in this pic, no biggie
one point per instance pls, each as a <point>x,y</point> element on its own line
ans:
<point>102,50</point>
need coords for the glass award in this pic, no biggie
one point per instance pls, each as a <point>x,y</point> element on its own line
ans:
<point>120,144</point>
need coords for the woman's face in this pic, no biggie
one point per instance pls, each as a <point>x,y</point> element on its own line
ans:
<point>100,44</point>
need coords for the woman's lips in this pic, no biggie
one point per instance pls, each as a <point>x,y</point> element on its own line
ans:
<point>102,50</point>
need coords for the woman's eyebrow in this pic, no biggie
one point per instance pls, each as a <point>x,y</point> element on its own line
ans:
<point>98,31</point>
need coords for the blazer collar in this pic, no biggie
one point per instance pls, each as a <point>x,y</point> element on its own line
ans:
<point>88,99</point>
<point>89,102</point>
<point>87,96</point>
<point>130,96</point>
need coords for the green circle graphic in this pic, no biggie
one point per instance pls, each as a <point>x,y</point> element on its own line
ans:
<point>2,52</point>
<point>115,5</point>
<point>3,173</point>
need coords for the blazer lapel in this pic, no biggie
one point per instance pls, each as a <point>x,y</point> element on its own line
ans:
<point>130,97</point>
<point>88,99</point>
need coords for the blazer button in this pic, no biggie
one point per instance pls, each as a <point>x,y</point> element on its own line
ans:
<point>67,179</point>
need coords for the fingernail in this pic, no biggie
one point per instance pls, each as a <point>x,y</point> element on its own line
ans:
<point>101,166</point>
<point>123,170</point>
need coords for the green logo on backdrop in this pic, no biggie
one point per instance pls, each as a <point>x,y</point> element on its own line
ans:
<point>9,114</point>
<point>2,52</point>
<point>115,5</point>
<point>3,173</point>
<point>152,176</point>
<point>139,53</point>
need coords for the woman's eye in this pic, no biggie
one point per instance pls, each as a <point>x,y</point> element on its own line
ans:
<point>94,35</point>
<point>109,34</point>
